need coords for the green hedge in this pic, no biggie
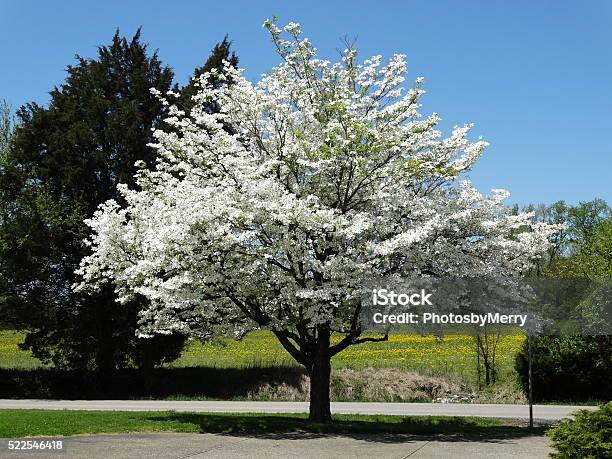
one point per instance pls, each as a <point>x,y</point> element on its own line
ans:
<point>568,368</point>
<point>588,435</point>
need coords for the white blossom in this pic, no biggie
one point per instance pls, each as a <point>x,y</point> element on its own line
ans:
<point>316,178</point>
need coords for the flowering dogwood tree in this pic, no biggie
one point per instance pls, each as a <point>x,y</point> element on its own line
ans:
<point>271,213</point>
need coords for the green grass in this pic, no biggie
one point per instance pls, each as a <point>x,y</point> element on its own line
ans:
<point>29,423</point>
<point>454,355</point>
<point>10,354</point>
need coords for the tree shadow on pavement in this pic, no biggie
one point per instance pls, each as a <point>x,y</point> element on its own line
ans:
<point>384,429</point>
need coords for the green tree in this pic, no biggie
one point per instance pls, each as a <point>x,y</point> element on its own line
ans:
<point>219,54</point>
<point>584,220</point>
<point>7,127</point>
<point>573,247</point>
<point>64,160</point>
<point>570,367</point>
<point>587,245</point>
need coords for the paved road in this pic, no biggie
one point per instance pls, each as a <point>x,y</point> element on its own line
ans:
<point>543,412</point>
<point>176,445</point>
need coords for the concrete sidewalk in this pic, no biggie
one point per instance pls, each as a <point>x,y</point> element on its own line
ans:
<point>270,446</point>
<point>540,412</point>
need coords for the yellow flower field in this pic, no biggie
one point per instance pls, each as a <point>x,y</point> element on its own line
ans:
<point>452,355</point>
<point>455,354</point>
<point>10,354</point>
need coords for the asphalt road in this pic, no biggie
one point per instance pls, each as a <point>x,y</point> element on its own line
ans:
<point>270,446</point>
<point>541,412</point>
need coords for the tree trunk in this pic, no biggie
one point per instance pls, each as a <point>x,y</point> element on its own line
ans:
<point>320,372</point>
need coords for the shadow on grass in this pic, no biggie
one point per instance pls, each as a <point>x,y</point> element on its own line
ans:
<point>192,382</point>
<point>385,429</point>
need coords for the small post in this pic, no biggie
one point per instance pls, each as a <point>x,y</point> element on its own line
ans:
<point>478,363</point>
<point>529,380</point>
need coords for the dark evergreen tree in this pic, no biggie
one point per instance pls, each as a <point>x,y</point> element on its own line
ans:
<point>220,53</point>
<point>66,159</point>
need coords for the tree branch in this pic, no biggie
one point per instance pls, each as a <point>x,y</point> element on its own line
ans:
<point>352,339</point>
<point>297,354</point>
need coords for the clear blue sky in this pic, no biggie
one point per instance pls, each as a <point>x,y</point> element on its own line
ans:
<point>535,77</point>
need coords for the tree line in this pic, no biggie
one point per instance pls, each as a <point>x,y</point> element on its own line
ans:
<point>570,366</point>
<point>566,366</point>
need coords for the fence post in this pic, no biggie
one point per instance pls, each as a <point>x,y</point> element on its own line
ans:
<point>529,380</point>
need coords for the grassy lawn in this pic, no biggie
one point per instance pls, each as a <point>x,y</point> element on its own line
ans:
<point>29,423</point>
<point>10,354</point>
<point>454,355</point>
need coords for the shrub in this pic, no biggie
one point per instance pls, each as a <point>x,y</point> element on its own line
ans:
<point>588,435</point>
<point>568,368</point>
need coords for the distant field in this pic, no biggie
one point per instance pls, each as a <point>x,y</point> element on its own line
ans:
<point>10,354</point>
<point>454,355</point>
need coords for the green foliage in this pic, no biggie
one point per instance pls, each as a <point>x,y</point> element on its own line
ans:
<point>584,247</point>
<point>11,355</point>
<point>57,166</point>
<point>63,161</point>
<point>584,219</point>
<point>592,258</point>
<point>587,435</point>
<point>568,368</point>
<point>575,367</point>
<point>7,125</point>
<point>220,53</point>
